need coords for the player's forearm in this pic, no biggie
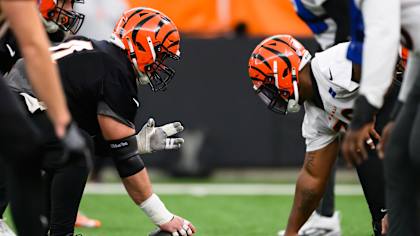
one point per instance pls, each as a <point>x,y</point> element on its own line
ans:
<point>382,30</point>
<point>138,186</point>
<point>33,42</point>
<point>307,196</point>
<point>140,190</point>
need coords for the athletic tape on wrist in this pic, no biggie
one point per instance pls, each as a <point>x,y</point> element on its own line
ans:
<point>154,208</point>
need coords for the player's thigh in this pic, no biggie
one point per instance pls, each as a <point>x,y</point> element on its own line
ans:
<point>318,164</point>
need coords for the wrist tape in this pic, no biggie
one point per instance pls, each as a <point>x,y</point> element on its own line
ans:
<point>154,208</point>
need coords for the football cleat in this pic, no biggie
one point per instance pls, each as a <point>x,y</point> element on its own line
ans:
<point>5,230</point>
<point>318,225</point>
<point>83,221</point>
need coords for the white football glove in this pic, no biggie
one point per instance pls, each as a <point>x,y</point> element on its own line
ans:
<point>152,139</point>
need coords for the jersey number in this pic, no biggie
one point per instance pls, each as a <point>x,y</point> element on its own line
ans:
<point>69,47</point>
<point>340,125</point>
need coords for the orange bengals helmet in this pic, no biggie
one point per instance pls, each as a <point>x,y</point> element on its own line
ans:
<point>56,17</point>
<point>273,69</point>
<point>149,37</point>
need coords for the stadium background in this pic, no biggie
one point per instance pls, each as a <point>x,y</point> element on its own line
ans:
<point>226,124</point>
<point>240,161</point>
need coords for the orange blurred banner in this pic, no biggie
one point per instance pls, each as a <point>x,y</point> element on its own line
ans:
<point>219,17</point>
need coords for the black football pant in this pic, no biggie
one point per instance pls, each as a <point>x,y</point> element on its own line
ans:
<point>326,206</point>
<point>3,195</point>
<point>20,159</point>
<point>402,165</point>
<point>371,172</point>
<point>64,182</point>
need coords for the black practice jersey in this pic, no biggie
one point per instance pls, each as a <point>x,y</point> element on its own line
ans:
<point>9,52</point>
<point>94,74</point>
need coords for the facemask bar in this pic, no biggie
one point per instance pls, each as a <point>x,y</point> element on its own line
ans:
<point>272,97</point>
<point>160,75</point>
<point>68,20</point>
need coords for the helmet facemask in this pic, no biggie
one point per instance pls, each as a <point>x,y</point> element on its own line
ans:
<point>273,98</point>
<point>277,100</point>
<point>67,21</point>
<point>159,73</point>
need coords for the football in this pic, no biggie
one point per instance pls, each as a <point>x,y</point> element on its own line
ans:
<point>159,232</point>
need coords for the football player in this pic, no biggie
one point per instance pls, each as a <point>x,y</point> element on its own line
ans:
<point>285,77</point>
<point>329,20</point>
<point>18,138</point>
<point>100,80</point>
<point>330,25</point>
<point>59,20</point>
<point>374,47</point>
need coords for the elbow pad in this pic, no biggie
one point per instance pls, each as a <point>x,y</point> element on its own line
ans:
<point>126,156</point>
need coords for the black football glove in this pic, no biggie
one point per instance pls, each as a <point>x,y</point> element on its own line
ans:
<point>74,143</point>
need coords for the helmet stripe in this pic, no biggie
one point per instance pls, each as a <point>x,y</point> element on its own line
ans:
<point>167,35</point>
<point>129,17</point>
<point>280,55</point>
<point>160,24</point>
<point>282,41</point>
<point>144,21</point>
<point>173,44</point>
<point>140,24</point>
<point>262,59</point>
<point>257,69</point>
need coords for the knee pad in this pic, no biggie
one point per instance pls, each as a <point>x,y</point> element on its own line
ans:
<point>126,156</point>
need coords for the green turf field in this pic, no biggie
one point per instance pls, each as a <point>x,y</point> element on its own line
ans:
<point>215,215</point>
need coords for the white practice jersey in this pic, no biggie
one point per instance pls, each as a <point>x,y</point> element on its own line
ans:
<point>324,35</point>
<point>384,20</point>
<point>332,72</point>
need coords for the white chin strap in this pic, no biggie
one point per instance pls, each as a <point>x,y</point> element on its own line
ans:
<point>293,104</point>
<point>305,59</point>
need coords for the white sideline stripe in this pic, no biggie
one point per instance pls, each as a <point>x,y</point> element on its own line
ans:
<point>219,189</point>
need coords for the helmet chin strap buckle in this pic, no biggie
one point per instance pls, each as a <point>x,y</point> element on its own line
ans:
<point>293,104</point>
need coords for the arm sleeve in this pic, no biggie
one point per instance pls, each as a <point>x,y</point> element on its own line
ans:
<point>382,34</point>
<point>410,76</point>
<point>339,10</point>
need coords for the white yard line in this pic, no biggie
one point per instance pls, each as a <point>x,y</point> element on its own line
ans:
<point>219,189</point>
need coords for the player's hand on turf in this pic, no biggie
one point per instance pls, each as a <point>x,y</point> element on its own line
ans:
<point>152,139</point>
<point>178,227</point>
<point>385,137</point>
<point>353,147</point>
